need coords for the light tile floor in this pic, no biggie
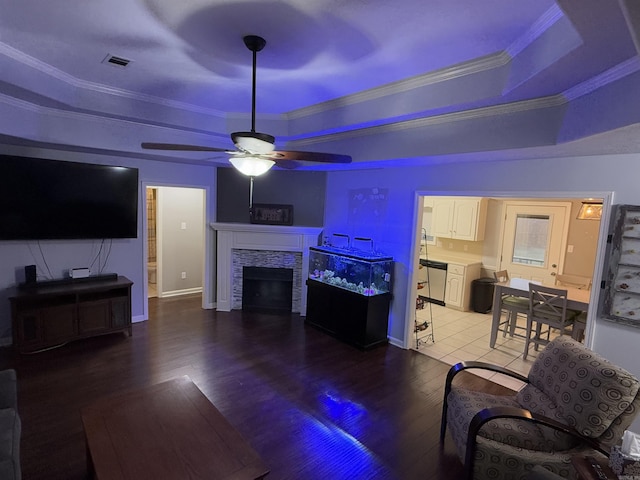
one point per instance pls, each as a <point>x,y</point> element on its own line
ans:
<point>459,336</point>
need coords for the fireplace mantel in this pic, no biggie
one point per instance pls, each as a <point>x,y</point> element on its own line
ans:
<point>243,236</point>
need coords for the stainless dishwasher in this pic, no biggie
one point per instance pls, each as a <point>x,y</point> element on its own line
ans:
<point>434,281</point>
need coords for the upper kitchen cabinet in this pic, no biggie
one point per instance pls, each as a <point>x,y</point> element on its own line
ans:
<point>462,218</point>
<point>427,237</point>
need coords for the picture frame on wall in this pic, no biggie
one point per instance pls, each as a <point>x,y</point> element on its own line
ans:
<point>271,214</point>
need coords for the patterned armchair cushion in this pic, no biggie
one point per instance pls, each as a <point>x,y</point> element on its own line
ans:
<point>588,391</point>
<point>494,460</point>
<point>535,400</point>
<point>464,404</point>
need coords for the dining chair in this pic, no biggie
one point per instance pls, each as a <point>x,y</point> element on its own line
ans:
<point>512,306</point>
<point>579,326</point>
<point>579,316</point>
<point>576,281</point>
<point>547,306</point>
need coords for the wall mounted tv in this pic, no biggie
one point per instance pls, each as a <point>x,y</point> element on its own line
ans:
<point>50,199</point>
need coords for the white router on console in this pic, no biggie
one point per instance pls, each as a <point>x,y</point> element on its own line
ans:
<point>79,272</point>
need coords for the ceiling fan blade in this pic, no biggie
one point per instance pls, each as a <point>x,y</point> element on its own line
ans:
<point>180,147</point>
<point>311,156</point>
<point>287,164</point>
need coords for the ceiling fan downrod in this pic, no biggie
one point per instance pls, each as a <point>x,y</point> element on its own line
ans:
<point>255,44</point>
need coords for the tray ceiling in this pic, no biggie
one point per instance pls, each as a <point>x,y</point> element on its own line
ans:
<point>334,74</point>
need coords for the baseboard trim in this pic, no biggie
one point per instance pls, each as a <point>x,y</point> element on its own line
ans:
<point>397,343</point>
<point>176,293</point>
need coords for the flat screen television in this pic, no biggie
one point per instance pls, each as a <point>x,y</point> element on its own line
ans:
<point>49,199</point>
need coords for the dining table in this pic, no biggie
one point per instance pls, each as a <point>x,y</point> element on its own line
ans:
<point>577,299</point>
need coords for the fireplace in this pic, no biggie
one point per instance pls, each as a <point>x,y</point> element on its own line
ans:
<point>267,290</point>
<point>253,245</point>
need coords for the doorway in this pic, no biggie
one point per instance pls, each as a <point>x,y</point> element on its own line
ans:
<point>463,335</point>
<point>175,240</point>
<point>152,267</point>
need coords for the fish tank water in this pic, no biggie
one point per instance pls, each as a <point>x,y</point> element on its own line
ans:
<point>366,273</point>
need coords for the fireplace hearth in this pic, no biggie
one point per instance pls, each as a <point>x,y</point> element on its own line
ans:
<point>267,290</point>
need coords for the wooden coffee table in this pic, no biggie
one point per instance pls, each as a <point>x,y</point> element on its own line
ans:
<point>166,431</point>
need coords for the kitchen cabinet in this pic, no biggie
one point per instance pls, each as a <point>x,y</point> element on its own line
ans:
<point>427,237</point>
<point>461,218</point>
<point>458,287</point>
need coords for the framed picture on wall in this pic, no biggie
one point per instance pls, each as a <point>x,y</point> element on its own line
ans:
<point>271,214</point>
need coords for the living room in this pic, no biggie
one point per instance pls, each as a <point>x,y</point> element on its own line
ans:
<point>578,144</point>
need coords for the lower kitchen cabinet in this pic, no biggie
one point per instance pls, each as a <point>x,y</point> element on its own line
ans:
<point>454,289</point>
<point>349,316</point>
<point>458,287</point>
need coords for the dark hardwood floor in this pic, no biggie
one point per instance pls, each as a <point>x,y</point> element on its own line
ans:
<point>313,407</point>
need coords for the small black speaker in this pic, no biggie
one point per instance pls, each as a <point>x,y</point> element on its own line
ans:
<point>30,274</point>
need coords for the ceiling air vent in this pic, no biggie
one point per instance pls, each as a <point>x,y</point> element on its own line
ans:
<point>117,61</point>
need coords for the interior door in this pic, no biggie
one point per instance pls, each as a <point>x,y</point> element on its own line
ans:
<point>534,240</point>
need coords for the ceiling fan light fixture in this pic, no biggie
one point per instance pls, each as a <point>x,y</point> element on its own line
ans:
<point>254,145</point>
<point>252,166</point>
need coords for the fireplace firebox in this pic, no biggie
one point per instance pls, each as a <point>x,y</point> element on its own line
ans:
<point>267,290</point>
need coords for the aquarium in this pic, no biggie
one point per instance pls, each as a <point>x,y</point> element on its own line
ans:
<point>366,273</point>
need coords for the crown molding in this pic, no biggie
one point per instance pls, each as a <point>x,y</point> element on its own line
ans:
<point>61,76</point>
<point>477,113</point>
<point>615,73</point>
<point>471,67</point>
<point>212,139</point>
<point>546,21</point>
<point>72,114</point>
<point>23,104</point>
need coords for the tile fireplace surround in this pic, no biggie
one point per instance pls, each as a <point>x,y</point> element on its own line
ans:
<point>240,244</point>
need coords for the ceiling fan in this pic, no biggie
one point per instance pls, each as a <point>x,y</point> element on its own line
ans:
<point>255,152</point>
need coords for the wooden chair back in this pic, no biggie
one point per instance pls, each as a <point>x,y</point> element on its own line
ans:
<point>548,305</point>
<point>501,276</point>
<point>577,281</point>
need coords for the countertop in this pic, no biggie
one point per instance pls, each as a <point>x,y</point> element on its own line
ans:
<point>452,259</point>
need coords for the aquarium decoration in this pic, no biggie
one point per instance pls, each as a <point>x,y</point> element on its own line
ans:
<point>366,273</point>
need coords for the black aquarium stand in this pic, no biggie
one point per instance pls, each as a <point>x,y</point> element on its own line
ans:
<point>349,316</point>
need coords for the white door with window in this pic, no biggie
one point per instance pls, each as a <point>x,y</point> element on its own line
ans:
<point>534,240</point>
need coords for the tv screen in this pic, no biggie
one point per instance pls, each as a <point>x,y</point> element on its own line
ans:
<point>50,199</point>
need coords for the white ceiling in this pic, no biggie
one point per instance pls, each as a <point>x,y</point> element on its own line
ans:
<point>548,73</point>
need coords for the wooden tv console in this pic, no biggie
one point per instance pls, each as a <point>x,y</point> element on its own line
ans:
<point>51,314</point>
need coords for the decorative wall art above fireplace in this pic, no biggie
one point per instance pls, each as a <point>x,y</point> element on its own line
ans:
<point>271,214</point>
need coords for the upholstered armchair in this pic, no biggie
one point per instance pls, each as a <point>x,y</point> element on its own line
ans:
<point>574,402</point>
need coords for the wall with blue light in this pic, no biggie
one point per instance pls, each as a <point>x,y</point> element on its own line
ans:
<point>392,228</point>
